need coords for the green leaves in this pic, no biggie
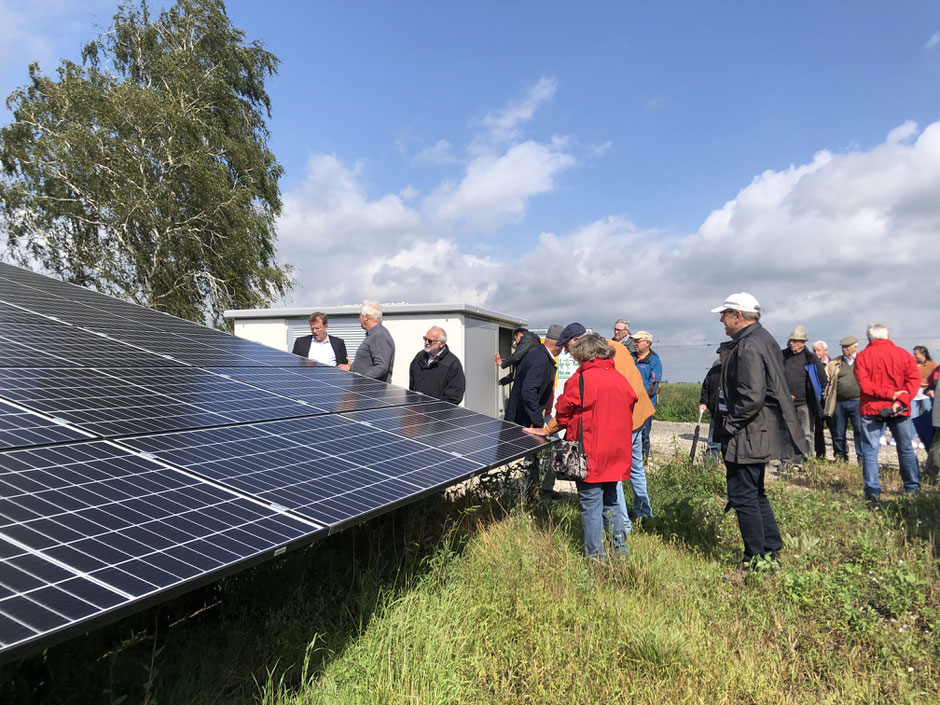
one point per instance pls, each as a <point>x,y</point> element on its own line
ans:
<point>146,172</point>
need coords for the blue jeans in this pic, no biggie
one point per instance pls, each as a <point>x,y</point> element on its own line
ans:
<point>599,515</point>
<point>756,518</point>
<point>902,429</point>
<point>847,411</point>
<point>641,500</point>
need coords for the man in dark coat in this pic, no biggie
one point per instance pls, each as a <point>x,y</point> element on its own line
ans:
<point>758,422</point>
<point>436,371</point>
<point>806,379</point>
<point>530,395</point>
<point>320,346</point>
<point>524,340</point>
<point>535,382</point>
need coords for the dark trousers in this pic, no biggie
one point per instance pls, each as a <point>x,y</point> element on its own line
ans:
<point>820,439</point>
<point>755,515</point>
<point>645,435</point>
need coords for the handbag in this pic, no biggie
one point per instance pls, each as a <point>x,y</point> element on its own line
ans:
<point>569,456</point>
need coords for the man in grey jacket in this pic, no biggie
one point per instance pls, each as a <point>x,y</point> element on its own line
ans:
<point>758,422</point>
<point>376,354</point>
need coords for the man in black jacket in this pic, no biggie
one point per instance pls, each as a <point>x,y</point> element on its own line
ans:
<point>320,346</point>
<point>524,340</point>
<point>799,367</point>
<point>436,371</point>
<point>758,421</point>
<point>709,401</point>
<point>531,392</point>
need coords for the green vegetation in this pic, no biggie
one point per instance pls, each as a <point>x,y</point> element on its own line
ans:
<point>451,602</point>
<point>145,172</point>
<point>678,401</point>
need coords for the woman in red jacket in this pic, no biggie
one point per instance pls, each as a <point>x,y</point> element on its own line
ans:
<point>607,416</point>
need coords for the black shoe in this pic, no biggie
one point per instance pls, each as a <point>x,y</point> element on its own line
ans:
<point>553,494</point>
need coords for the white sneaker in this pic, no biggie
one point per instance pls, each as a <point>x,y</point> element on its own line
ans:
<point>920,445</point>
<point>883,441</point>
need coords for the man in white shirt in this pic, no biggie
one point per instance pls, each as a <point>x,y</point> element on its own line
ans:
<point>320,346</point>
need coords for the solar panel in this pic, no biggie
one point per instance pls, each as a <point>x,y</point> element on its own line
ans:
<point>56,345</point>
<point>91,527</point>
<point>20,429</point>
<point>119,402</point>
<point>328,468</point>
<point>222,453</point>
<point>481,439</point>
<point>326,387</point>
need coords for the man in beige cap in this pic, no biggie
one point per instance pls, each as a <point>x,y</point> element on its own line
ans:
<point>841,399</point>
<point>806,378</point>
<point>651,368</point>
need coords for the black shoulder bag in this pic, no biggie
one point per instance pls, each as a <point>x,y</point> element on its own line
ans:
<point>570,458</point>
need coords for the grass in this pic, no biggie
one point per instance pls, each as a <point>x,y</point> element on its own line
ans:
<point>454,602</point>
<point>678,401</point>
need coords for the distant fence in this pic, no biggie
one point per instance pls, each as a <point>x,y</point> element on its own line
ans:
<point>689,361</point>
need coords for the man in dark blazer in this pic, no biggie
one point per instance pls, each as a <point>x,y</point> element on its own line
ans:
<point>535,381</point>
<point>320,346</point>
<point>531,392</point>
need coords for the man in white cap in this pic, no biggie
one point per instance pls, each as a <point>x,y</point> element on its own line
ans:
<point>758,422</point>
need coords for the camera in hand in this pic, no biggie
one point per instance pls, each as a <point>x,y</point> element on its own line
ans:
<point>887,413</point>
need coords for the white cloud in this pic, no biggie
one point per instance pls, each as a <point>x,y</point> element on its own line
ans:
<point>598,150</point>
<point>439,153</point>
<point>502,125</point>
<point>495,190</point>
<point>831,244</point>
<point>933,41</point>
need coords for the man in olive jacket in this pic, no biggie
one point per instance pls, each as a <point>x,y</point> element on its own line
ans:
<point>758,421</point>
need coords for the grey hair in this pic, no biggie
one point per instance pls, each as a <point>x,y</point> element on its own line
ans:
<point>877,331</point>
<point>443,336</point>
<point>371,309</point>
<point>589,347</point>
<point>748,316</point>
<point>823,343</point>
<point>625,322</point>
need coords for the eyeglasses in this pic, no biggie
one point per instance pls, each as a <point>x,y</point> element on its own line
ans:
<point>726,312</point>
<point>619,330</point>
<point>429,340</point>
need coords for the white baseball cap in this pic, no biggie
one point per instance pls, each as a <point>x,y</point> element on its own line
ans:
<point>742,301</point>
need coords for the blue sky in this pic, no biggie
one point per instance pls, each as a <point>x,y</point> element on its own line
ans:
<point>566,161</point>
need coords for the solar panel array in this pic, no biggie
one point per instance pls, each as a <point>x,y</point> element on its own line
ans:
<point>142,455</point>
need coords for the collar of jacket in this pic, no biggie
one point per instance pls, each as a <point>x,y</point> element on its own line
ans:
<point>597,365</point>
<point>808,355</point>
<point>741,334</point>
<point>428,363</point>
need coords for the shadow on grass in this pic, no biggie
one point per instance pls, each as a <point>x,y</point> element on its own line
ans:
<point>217,643</point>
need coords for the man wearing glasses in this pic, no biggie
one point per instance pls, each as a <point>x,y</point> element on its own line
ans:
<point>758,423</point>
<point>436,371</point>
<point>622,334</point>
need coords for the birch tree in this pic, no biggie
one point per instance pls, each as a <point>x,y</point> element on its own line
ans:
<point>145,172</point>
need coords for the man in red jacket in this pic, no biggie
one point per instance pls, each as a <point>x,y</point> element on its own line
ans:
<point>888,379</point>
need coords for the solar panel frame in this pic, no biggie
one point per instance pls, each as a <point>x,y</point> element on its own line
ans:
<point>123,523</point>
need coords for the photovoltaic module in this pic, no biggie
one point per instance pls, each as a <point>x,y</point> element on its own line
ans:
<point>142,455</point>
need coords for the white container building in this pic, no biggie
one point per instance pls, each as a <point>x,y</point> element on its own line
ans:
<point>474,335</point>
